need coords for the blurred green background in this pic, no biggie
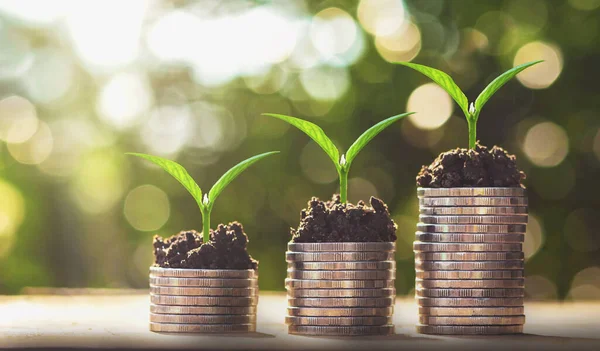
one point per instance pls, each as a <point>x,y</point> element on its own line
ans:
<point>82,82</point>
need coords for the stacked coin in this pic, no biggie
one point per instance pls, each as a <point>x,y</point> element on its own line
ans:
<point>340,289</point>
<point>469,260</point>
<point>203,300</point>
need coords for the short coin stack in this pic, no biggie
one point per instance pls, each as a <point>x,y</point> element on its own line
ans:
<point>203,300</point>
<point>469,260</point>
<point>341,289</point>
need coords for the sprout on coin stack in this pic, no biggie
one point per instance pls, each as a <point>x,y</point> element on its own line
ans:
<point>469,241</point>
<point>203,283</point>
<point>341,266</point>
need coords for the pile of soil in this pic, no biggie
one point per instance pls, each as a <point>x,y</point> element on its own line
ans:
<point>227,249</point>
<point>333,221</point>
<point>481,167</point>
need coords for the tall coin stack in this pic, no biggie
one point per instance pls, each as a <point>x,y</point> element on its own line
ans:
<point>340,289</point>
<point>469,260</point>
<point>203,300</point>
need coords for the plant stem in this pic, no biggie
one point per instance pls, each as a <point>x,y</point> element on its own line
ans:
<point>472,132</point>
<point>343,186</point>
<point>205,225</point>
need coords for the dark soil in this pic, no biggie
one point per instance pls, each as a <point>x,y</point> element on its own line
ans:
<point>481,167</point>
<point>225,250</point>
<point>333,221</point>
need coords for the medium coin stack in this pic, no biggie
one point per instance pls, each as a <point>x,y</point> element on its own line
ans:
<point>340,289</point>
<point>203,300</point>
<point>469,260</point>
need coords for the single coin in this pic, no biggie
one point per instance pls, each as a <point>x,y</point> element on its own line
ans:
<point>203,273</point>
<point>470,302</point>
<point>472,228</point>
<point>205,282</point>
<point>468,265</point>
<point>338,256</point>
<point>473,219</point>
<point>337,266</point>
<point>419,246</point>
<point>203,300</point>
<point>468,256</point>
<point>341,302</point>
<point>343,275</point>
<point>338,284</point>
<point>202,319</point>
<point>471,311</point>
<point>341,311</point>
<point>341,292</point>
<point>470,330</point>
<point>202,328</point>
<point>470,284</point>
<point>513,274</point>
<point>488,320</point>
<point>469,238</point>
<point>340,330</point>
<point>187,291</point>
<point>517,292</point>
<point>472,201</point>
<point>342,246</point>
<point>166,309</point>
<point>450,192</point>
<point>337,321</point>
<point>473,211</point>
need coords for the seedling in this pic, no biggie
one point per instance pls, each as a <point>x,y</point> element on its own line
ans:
<point>472,110</point>
<point>206,202</point>
<point>343,163</point>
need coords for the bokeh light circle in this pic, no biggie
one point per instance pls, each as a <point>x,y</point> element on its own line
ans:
<point>534,238</point>
<point>543,74</point>
<point>381,17</point>
<point>580,230</point>
<point>333,31</point>
<point>586,284</point>
<point>36,149</point>
<point>433,106</point>
<point>12,212</point>
<point>546,144</point>
<point>18,119</point>
<point>147,208</point>
<point>325,83</point>
<point>361,189</point>
<point>404,44</point>
<point>123,99</point>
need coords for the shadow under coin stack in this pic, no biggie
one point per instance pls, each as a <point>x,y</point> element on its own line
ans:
<point>469,260</point>
<point>203,300</point>
<point>340,289</point>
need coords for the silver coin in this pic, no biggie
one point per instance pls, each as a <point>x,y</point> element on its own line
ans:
<point>470,302</point>
<point>341,311</point>
<point>194,291</point>
<point>419,246</point>
<point>337,321</point>
<point>512,274</point>
<point>202,328</point>
<point>472,228</point>
<point>341,302</point>
<point>488,320</point>
<point>473,211</point>
<point>469,238</point>
<point>341,292</point>
<point>468,256</point>
<point>342,275</point>
<point>521,219</point>
<point>451,192</point>
<point>203,300</point>
<point>469,330</point>
<point>340,330</point>
<point>471,311</point>
<point>167,309</point>
<point>468,265</point>
<point>338,256</point>
<point>203,273</point>
<point>517,292</point>
<point>470,284</point>
<point>202,318</point>
<point>342,246</point>
<point>338,284</point>
<point>204,282</point>
<point>350,265</point>
<point>472,201</point>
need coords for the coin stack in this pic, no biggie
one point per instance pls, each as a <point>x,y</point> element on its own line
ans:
<point>340,289</point>
<point>203,300</point>
<point>469,260</point>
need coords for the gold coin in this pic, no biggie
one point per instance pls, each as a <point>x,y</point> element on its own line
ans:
<point>470,284</point>
<point>461,192</point>
<point>488,320</point>
<point>470,302</point>
<point>512,274</point>
<point>338,256</point>
<point>468,265</point>
<point>337,321</point>
<point>187,291</point>
<point>472,228</point>
<point>338,266</point>
<point>469,238</point>
<point>341,292</point>
<point>203,300</point>
<point>473,211</point>
<point>204,282</point>
<point>472,201</point>
<point>342,275</point>
<point>340,330</point>
<point>338,284</point>
<point>202,319</point>
<point>471,311</point>
<point>468,256</point>
<point>342,246</point>
<point>202,328</point>
<point>167,309</point>
<point>470,330</point>
<point>341,311</point>
<point>420,246</point>
<point>341,302</point>
<point>520,219</point>
<point>203,273</point>
<point>517,292</point>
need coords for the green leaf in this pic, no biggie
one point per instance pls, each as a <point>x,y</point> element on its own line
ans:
<point>368,135</point>
<point>232,174</point>
<point>178,172</point>
<point>315,133</point>
<point>444,81</point>
<point>498,83</point>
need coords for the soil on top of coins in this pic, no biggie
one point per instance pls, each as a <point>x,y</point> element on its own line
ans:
<point>481,167</point>
<point>333,221</point>
<point>226,249</point>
